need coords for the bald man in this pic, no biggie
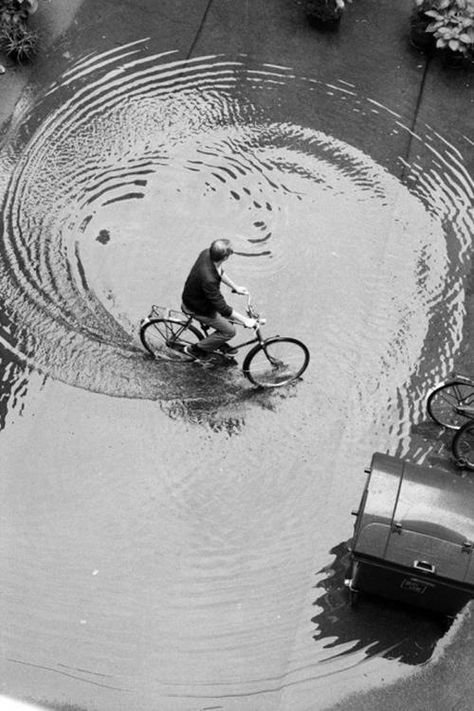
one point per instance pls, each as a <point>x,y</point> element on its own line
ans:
<point>202,299</point>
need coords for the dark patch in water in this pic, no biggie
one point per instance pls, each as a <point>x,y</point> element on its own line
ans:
<point>85,222</point>
<point>80,268</point>
<point>128,196</point>
<point>229,415</point>
<point>103,237</point>
<point>260,239</point>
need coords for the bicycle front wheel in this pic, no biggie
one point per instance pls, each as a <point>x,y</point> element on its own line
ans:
<point>276,362</point>
<point>166,338</point>
<point>445,403</point>
<point>463,446</point>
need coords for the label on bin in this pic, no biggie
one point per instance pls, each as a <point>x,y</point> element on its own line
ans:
<point>416,586</point>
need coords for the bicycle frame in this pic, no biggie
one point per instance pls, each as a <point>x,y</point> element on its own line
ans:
<point>174,336</point>
<point>251,313</point>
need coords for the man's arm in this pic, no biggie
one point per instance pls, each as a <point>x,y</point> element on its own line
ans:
<point>236,316</point>
<point>243,320</point>
<point>215,297</point>
<point>228,282</point>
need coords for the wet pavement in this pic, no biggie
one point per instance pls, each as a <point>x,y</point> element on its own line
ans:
<point>184,538</point>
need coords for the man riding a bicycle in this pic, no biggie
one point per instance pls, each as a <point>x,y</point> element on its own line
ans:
<point>202,299</point>
<point>272,361</point>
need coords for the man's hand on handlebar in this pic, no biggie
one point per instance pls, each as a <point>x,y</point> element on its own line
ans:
<point>245,321</point>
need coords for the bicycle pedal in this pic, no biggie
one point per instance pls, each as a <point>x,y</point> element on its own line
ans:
<point>467,410</point>
<point>227,362</point>
<point>205,363</point>
<point>224,359</point>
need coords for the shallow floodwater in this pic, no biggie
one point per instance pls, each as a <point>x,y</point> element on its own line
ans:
<point>172,538</point>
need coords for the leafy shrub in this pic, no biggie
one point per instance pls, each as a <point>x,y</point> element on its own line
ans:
<point>325,10</point>
<point>19,42</point>
<point>452,24</point>
<point>16,39</point>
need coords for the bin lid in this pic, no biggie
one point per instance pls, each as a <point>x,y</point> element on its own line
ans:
<point>412,513</point>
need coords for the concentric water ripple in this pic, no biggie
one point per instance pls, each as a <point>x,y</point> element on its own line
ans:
<point>93,232</point>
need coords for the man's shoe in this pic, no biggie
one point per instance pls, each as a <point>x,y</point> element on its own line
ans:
<point>196,352</point>
<point>228,350</point>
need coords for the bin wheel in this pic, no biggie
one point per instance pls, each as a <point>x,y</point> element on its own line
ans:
<point>353,594</point>
<point>463,446</point>
<point>354,598</point>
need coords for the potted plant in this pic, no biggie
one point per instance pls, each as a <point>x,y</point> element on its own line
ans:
<point>16,39</point>
<point>325,13</point>
<point>419,37</point>
<point>447,25</point>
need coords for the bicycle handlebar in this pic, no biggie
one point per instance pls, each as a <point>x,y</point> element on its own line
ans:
<point>250,311</point>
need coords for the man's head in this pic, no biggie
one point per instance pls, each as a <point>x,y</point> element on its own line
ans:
<point>220,249</point>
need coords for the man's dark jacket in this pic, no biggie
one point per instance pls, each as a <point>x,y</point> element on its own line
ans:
<point>201,293</point>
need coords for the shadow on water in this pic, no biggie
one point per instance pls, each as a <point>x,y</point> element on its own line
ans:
<point>382,627</point>
<point>224,402</point>
<point>13,385</point>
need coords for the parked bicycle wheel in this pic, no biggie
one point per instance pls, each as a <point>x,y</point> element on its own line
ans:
<point>166,338</point>
<point>444,401</point>
<point>463,446</point>
<point>276,362</point>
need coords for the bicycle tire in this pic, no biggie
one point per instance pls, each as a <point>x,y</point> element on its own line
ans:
<point>166,338</point>
<point>463,446</point>
<point>291,358</point>
<point>443,400</point>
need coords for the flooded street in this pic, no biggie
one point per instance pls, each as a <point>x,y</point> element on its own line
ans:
<point>171,537</point>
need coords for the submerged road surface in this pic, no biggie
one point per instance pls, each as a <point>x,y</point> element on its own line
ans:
<point>172,538</point>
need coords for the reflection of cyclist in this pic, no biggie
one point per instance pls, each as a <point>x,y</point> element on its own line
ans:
<point>203,299</point>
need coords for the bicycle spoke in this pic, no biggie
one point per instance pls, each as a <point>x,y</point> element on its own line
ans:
<point>276,363</point>
<point>445,404</point>
<point>166,338</point>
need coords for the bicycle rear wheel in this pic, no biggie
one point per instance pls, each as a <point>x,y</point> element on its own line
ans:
<point>463,446</point>
<point>444,400</point>
<point>166,337</point>
<point>276,362</point>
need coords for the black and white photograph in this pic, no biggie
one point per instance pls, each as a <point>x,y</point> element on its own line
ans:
<point>236,355</point>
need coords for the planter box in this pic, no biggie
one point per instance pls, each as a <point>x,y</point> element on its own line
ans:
<point>324,14</point>
<point>419,37</point>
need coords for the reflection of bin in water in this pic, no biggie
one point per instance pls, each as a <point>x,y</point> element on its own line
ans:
<point>414,535</point>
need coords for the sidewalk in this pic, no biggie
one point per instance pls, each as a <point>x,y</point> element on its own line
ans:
<point>51,20</point>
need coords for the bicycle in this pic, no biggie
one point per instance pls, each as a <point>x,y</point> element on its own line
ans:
<point>451,405</point>
<point>272,363</point>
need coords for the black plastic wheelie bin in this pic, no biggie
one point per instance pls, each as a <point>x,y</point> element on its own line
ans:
<point>414,536</point>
